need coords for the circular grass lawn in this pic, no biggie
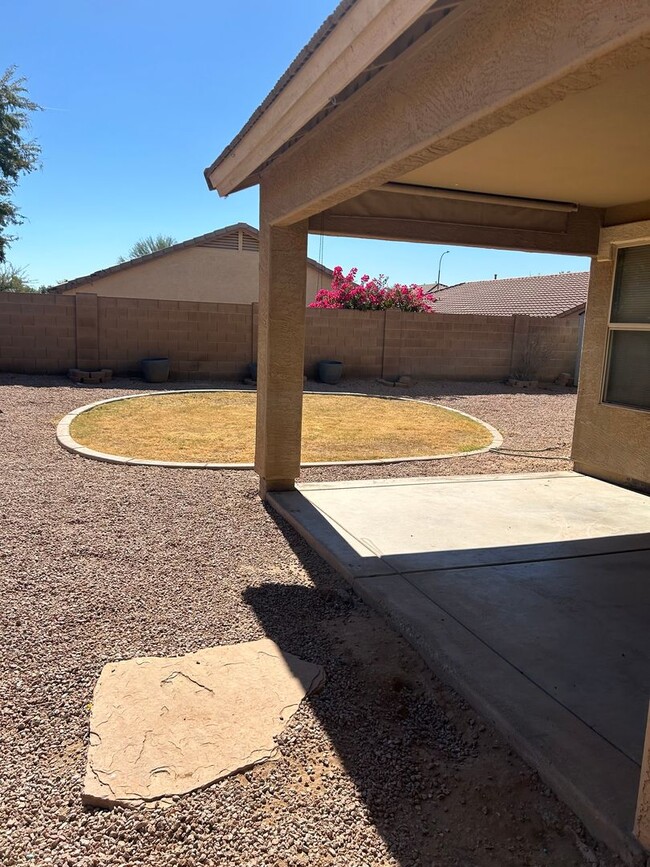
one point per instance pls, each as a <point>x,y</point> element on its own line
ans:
<point>219,427</point>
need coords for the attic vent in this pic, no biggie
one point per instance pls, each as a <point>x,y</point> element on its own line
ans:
<point>223,242</point>
<point>250,243</point>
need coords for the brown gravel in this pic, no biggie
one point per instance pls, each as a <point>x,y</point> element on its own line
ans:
<point>386,766</point>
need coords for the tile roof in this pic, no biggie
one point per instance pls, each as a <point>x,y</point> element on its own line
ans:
<point>544,295</point>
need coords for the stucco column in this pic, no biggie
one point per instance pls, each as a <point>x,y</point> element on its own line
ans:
<point>280,353</point>
<point>642,820</point>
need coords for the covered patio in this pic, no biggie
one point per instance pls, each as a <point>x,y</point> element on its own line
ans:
<point>529,593</point>
<point>514,126</point>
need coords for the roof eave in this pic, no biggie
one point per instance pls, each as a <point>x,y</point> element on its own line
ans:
<point>333,58</point>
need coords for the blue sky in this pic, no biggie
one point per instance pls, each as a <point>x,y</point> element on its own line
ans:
<point>140,96</point>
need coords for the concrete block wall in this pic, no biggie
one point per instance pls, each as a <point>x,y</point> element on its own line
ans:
<point>558,340</point>
<point>354,337</point>
<point>204,340</point>
<point>446,346</point>
<point>37,333</point>
<point>201,339</point>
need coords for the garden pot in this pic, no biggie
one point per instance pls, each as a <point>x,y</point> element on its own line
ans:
<point>330,371</point>
<point>155,369</point>
<point>252,371</point>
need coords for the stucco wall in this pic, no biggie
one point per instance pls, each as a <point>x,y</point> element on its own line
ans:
<point>610,442</point>
<point>194,274</point>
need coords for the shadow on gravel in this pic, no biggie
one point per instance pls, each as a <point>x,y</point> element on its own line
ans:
<point>395,740</point>
<point>440,786</point>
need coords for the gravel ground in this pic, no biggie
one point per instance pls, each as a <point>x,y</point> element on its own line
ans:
<point>386,766</point>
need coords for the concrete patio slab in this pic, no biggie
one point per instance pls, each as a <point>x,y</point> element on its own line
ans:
<point>411,525</point>
<point>559,619</point>
<point>531,595</point>
<point>592,776</point>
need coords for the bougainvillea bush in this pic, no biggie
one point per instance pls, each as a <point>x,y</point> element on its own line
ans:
<point>372,293</point>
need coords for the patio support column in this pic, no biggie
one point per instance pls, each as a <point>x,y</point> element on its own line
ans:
<point>642,821</point>
<point>280,354</point>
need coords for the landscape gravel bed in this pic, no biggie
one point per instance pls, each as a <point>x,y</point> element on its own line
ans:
<point>385,766</point>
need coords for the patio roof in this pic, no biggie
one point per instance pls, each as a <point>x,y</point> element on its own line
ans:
<point>352,45</point>
<point>397,54</point>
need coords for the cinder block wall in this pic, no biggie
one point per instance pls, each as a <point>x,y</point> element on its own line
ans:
<point>37,333</point>
<point>354,337</point>
<point>558,341</point>
<point>202,340</point>
<point>446,346</point>
<point>51,333</point>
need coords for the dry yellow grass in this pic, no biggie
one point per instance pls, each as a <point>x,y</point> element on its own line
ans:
<point>220,427</point>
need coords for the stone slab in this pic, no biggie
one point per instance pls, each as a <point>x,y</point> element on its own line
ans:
<point>162,727</point>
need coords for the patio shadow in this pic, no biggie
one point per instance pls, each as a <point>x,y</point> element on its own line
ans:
<point>396,743</point>
<point>548,640</point>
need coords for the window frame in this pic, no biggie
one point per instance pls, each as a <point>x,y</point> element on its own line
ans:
<point>619,326</point>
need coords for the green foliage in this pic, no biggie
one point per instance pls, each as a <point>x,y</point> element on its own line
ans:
<point>14,280</point>
<point>17,155</point>
<point>150,244</point>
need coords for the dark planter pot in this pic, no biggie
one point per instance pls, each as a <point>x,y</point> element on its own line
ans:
<point>252,370</point>
<point>330,371</point>
<point>155,369</point>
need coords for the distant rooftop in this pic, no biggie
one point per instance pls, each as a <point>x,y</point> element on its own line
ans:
<point>226,238</point>
<point>544,295</point>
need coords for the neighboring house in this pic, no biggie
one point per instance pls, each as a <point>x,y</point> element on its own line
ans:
<point>220,266</point>
<point>545,295</point>
<point>433,287</point>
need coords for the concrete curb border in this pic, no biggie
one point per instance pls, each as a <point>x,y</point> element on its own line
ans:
<point>67,441</point>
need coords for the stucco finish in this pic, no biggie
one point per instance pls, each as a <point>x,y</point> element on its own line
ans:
<point>194,274</point>
<point>334,62</point>
<point>642,821</point>
<point>499,63</point>
<point>609,441</point>
<point>586,128</point>
<point>281,350</point>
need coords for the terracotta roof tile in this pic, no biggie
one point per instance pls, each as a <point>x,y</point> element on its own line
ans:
<point>544,295</point>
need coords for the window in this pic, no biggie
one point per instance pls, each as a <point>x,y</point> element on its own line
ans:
<point>628,359</point>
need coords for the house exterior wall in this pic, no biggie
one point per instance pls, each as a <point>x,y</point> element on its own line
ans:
<point>51,333</point>
<point>203,274</point>
<point>610,442</point>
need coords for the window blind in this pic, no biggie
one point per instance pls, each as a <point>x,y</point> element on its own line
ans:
<point>632,286</point>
